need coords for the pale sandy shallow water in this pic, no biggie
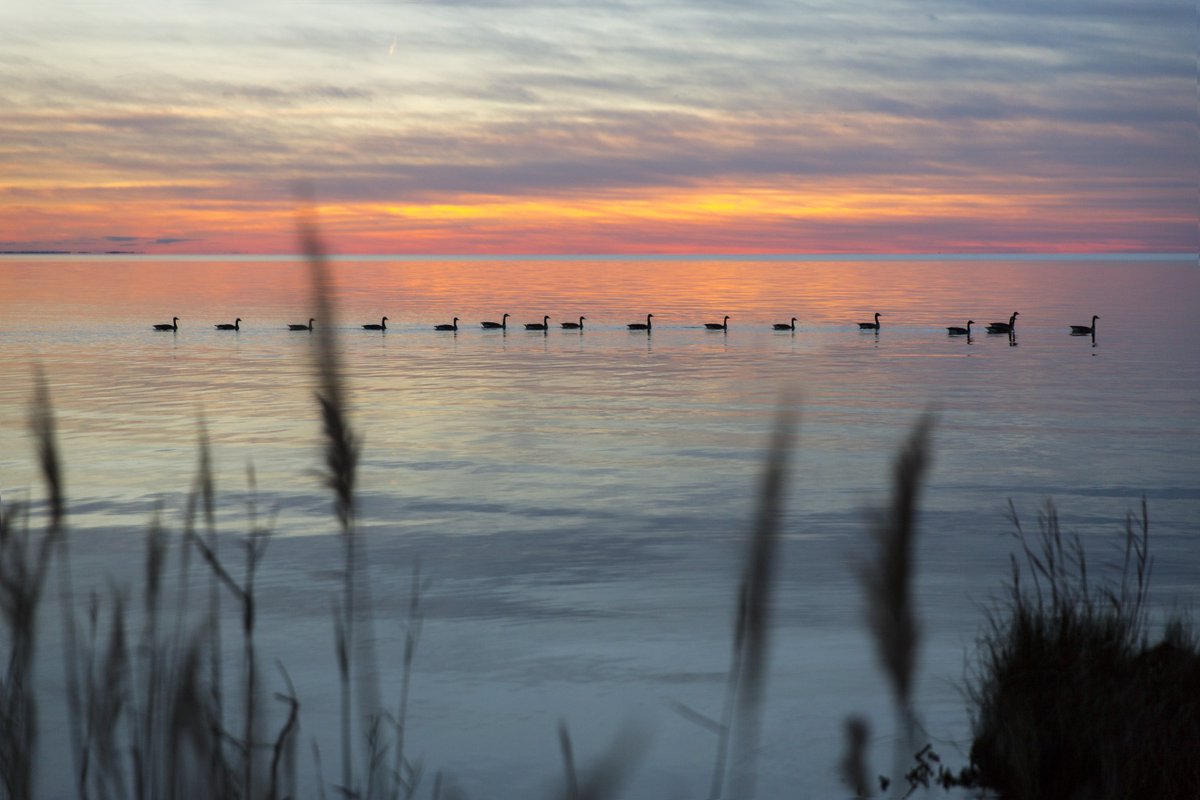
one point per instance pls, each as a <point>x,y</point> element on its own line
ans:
<point>578,501</point>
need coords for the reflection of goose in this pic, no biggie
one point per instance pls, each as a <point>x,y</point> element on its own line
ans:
<point>225,326</point>
<point>1085,330</point>
<point>295,327</point>
<point>382,326</point>
<point>501,325</point>
<point>173,325</point>
<point>718,326</point>
<point>451,327</point>
<point>783,326</point>
<point>639,326</point>
<point>1005,327</point>
<point>574,325</point>
<point>956,331</point>
<point>870,326</point>
<point>537,326</point>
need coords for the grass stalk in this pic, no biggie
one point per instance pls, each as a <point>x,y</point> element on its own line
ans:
<point>887,581</point>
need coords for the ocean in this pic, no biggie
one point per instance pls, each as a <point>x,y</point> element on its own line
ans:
<point>578,501</point>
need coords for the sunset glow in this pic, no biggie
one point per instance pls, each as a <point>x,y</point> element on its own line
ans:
<point>594,129</point>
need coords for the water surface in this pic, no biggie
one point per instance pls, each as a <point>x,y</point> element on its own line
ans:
<point>578,499</point>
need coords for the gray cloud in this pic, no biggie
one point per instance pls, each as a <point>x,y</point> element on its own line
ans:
<point>511,99</point>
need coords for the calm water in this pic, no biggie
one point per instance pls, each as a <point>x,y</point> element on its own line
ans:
<point>577,500</point>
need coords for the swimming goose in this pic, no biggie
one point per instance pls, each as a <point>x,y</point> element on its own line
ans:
<point>574,325</point>
<point>1084,330</point>
<point>639,326</point>
<point>294,327</point>
<point>451,327</point>
<point>225,326</point>
<point>954,330</point>
<point>783,326</point>
<point>1005,327</point>
<point>382,326</point>
<point>718,326</point>
<point>870,326</point>
<point>501,325</point>
<point>173,325</point>
<point>537,326</point>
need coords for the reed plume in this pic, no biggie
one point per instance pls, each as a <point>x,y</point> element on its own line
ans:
<point>353,624</point>
<point>887,581</point>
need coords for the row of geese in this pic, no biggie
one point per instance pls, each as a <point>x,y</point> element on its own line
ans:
<point>1009,327</point>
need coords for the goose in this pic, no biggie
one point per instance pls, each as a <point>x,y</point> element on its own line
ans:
<point>225,326</point>
<point>451,327</point>
<point>294,327</point>
<point>718,326</point>
<point>501,325</point>
<point>870,326</point>
<point>783,326</point>
<point>173,325</point>
<point>537,326</point>
<point>574,325</point>
<point>1085,330</point>
<point>382,326</point>
<point>954,330</point>
<point>640,326</point>
<point>1005,327</point>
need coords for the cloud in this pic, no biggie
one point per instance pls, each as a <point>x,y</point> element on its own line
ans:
<point>202,107</point>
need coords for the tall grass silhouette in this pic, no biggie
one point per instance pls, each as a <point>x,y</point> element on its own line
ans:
<point>1073,694</point>
<point>888,585</point>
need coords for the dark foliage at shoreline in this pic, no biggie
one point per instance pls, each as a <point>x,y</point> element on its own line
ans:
<point>1073,697</point>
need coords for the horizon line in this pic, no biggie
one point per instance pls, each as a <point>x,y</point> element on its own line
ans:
<point>939,256</point>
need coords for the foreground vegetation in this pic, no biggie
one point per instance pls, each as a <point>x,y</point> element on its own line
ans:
<point>1074,697</point>
<point>1071,695</point>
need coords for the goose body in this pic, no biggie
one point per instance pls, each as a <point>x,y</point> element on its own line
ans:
<point>1005,327</point>
<point>1085,330</point>
<point>382,326</point>
<point>451,327</point>
<point>783,326</point>
<point>870,326</point>
<point>501,325</point>
<point>574,325</point>
<point>225,326</point>
<point>954,330</point>
<point>294,327</point>
<point>641,326</point>
<point>538,326</point>
<point>173,325</point>
<point>718,326</point>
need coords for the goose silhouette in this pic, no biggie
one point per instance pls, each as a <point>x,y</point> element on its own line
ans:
<point>501,325</point>
<point>294,327</point>
<point>718,326</point>
<point>173,325</point>
<point>640,326</point>
<point>956,331</point>
<point>574,325</point>
<point>382,326</point>
<point>225,326</point>
<point>538,326</point>
<point>783,326</point>
<point>870,326</point>
<point>451,327</point>
<point>1085,330</point>
<point>1005,327</point>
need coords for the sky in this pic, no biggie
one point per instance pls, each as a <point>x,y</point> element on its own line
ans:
<point>832,126</point>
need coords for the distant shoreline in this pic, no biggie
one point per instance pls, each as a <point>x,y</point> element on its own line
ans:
<point>1104,256</point>
<point>73,253</point>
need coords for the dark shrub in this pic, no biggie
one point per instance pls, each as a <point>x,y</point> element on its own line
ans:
<point>1072,698</point>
